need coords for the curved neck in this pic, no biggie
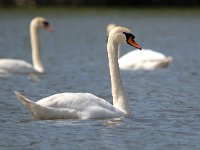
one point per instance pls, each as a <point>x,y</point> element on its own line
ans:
<point>119,100</point>
<point>119,52</point>
<point>35,44</point>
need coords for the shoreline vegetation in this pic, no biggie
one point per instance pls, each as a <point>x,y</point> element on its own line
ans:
<point>72,9</point>
<point>98,3</point>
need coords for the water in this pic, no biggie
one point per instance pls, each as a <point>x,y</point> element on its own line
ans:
<point>164,103</point>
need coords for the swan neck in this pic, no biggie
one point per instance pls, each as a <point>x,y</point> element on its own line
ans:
<point>35,45</point>
<point>119,100</point>
<point>119,51</point>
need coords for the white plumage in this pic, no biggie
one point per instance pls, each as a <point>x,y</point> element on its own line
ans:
<point>8,65</point>
<point>71,106</point>
<point>85,105</point>
<point>16,66</point>
<point>144,59</point>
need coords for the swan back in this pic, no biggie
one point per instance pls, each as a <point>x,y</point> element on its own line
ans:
<point>86,105</point>
<point>16,66</point>
<point>145,60</point>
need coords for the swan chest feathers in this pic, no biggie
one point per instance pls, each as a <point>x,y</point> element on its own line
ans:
<point>75,106</point>
<point>16,66</point>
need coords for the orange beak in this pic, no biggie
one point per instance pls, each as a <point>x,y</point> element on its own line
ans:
<point>133,43</point>
<point>49,28</point>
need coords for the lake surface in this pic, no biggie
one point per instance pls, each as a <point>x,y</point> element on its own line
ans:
<point>165,103</point>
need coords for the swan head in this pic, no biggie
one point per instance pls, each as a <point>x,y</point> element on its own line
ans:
<point>110,26</point>
<point>121,35</point>
<point>41,23</point>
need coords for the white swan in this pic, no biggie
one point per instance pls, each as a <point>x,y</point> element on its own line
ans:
<point>85,105</point>
<point>20,66</point>
<point>141,60</point>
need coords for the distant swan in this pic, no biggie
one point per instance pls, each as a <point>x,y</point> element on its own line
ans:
<point>20,66</point>
<point>86,105</point>
<point>141,60</point>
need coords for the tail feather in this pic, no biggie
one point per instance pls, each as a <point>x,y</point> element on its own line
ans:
<point>25,101</point>
<point>169,59</point>
<point>42,112</point>
<point>33,107</point>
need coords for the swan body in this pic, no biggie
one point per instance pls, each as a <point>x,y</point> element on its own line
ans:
<point>146,59</point>
<point>71,106</point>
<point>86,105</point>
<point>16,66</point>
<point>20,66</point>
<point>143,60</point>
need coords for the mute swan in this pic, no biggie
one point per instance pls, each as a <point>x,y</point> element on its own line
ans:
<point>86,105</point>
<point>141,60</point>
<point>21,66</point>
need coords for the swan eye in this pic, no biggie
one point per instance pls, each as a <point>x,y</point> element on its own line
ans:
<point>129,35</point>
<point>45,23</point>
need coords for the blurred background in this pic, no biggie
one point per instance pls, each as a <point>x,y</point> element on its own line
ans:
<point>36,3</point>
<point>165,103</point>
